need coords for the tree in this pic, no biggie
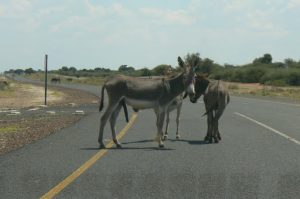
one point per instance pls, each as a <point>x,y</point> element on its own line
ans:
<point>29,71</point>
<point>161,69</point>
<point>190,59</point>
<point>64,69</point>
<point>289,62</point>
<point>19,71</point>
<point>72,69</point>
<point>145,72</point>
<point>125,68</point>
<point>228,66</point>
<point>266,59</point>
<point>206,66</point>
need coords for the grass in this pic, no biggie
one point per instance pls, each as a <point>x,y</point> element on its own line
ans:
<point>8,91</point>
<point>10,129</point>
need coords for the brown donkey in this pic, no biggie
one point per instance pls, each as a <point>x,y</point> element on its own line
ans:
<point>215,97</point>
<point>144,94</point>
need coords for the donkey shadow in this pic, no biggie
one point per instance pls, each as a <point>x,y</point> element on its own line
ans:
<point>131,147</point>
<point>126,147</point>
<point>192,142</point>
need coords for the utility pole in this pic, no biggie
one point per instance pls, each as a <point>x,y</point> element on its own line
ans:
<point>46,71</point>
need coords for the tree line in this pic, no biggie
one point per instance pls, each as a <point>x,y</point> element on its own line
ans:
<point>261,70</point>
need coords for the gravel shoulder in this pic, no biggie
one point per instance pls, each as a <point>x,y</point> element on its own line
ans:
<point>24,120</point>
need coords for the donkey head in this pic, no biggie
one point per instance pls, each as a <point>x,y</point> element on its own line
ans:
<point>188,74</point>
<point>201,83</point>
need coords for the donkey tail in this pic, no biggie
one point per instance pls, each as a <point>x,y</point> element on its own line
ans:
<point>228,99</point>
<point>102,98</point>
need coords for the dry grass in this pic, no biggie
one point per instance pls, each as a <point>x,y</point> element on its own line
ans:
<point>24,95</point>
<point>68,79</point>
<point>257,89</point>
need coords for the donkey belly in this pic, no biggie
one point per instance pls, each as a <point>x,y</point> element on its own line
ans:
<point>140,104</point>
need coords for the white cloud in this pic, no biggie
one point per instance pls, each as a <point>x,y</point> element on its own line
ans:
<point>121,10</point>
<point>293,4</point>
<point>50,11</point>
<point>21,5</point>
<point>262,23</point>
<point>71,23</point>
<point>15,8</point>
<point>100,10</point>
<point>95,9</point>
<point>236,5</point>
<point>168,16</point>
<point>1,10</point>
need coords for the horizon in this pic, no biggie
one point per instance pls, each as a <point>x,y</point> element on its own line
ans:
<point>90,34</point>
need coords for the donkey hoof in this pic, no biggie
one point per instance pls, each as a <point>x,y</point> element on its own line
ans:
<point>102,146</point>
<point>161,146</point>
<point>119,146</point>
<point>165,137</point>
<point>206,138</point>
<point>177,137</point>
<point>216,140</point>
<point>210,140</point>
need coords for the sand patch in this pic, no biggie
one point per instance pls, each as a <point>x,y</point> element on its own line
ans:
<point>26,95</point>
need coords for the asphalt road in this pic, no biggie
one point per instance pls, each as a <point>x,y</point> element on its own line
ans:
<point>257,158</point>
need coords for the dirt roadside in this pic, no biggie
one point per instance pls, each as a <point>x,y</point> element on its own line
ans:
<point>23,120</point>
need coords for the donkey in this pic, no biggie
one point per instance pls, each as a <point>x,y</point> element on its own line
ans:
<point>175,104</point>
<point>144,94</point>
<point>55,80</point>
<point>215,97</point>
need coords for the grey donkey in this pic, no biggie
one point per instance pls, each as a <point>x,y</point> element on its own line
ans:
<point>215,97</point>
<point>144,94</point>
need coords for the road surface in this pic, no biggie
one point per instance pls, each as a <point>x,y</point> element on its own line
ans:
<point>258,157</point>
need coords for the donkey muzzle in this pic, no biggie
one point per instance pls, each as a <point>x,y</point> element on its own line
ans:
<point>191,90</point>
<point>193,99</point>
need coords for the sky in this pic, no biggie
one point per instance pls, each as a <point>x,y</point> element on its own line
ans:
<point>145,33</point>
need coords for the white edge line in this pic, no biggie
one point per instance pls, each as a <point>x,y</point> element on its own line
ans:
<point>269,128</point>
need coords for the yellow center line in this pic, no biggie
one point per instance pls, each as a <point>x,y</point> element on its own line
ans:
<point>63,184</point>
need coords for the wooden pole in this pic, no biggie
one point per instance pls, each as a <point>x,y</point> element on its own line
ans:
<point>46,72</point>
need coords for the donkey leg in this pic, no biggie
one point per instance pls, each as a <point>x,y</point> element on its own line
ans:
<point>208,136</point>
<point>214,129</point>
<point>112,121</point>
<point>177,121</point>
<point>160,123</point>
<point>219,113</point>
<point>217,130</point>
<point>165,137</point>
<point>215,133</point>
<point>104,119</point>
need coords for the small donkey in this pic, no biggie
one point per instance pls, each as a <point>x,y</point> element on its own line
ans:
<point>175,104</point>
<point>215,97</point>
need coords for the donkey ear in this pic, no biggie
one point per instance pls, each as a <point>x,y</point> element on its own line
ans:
<point>180,62</point>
